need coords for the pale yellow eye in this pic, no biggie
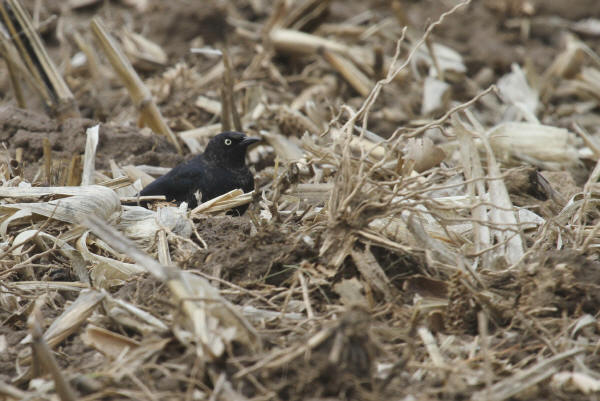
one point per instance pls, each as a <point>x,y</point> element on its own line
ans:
<point>227,141</point>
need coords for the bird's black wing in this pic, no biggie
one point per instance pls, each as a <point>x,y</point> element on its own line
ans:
<point>180,183</point>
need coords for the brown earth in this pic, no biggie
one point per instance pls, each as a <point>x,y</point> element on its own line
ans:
<point>490,35</point>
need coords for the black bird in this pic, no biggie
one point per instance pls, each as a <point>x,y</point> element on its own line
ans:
<point>220,169</point>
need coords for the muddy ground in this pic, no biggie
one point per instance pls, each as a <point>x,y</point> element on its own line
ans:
<point>378,344</point>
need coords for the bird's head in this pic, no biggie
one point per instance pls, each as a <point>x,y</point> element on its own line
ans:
<point>229,148</point>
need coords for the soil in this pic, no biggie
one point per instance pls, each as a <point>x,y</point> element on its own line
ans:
<point>129,145</point>
<point>491,35</point>
<point>247,259</point>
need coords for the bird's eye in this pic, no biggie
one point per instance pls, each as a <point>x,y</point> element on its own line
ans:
<point>227,141</point>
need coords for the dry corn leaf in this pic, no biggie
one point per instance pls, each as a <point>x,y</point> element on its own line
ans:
<point>131,316</point>
<point>35,286</point>
<point>141,224</point>
<point>536,142</point>
<point>108,342</point>
<point>515,90</point>
<point>569,62</point>
<point>213,321</point>
<point>284,147</point>
<point>89,157</point>
<point>105,270</point>
<point>588,26</point>
<point>424,153</point>
<point>436,95</point>
<point>227,201</point>
<point>571,382</point>
<point>447,59</point>
<point>80,201</point>
<point>72,317</point>
<point>144,53</point>
<point>372,272</point>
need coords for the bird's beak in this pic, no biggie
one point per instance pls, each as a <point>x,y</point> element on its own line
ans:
<point>249,141</point>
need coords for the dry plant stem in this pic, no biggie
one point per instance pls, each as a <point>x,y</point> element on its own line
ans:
<point>539,243</point>
<point>89,157</point>
<point>474,174</point>
<point>303,43</point>
<point>73,317</point>
<point>288,297</point>
<point>303,13</point>
<point>372,272</point>
<point>237,288</point>
<point>524,379</point>
<point>515,245</point>
<point>417,192</point>
<point>225,113</point>
<point>443,254</point>
<point>90,55</point>
<point>484,342</point>
<point>128,199</point>
<point>75,171</point>
<point>199,238</point>
<point>449,113</point>
<point>126,246</point>
<point>10,53</point>
<point>470,270</point>
<point>276,18</point>
<point>210,344</point>
<point>305,296</point>
<point>192,382</point>
<point>137,90</point>
<point>22,31</point>
<point>228,90</point>
<point>587,195</point>
<point>392,73</point>
<point>359,81</point>
<point>9,391</point>
<point>47,160</point>
<point>220,383</point>
<point>39,230</point>
<point>228,393</point>
<point>142,386</point>
<point>436,65</point>
<point>117,182</point>
<point>378,239</point>
<point>378,63</point>
<point>589,141</point>
<point>43,355</point>
<point>63,173</point>
<point>280,358</point>
<point>27,263</point>
<point>36,14</point>
<point>265,54</point>
<point>536,328</point>
<point>362,177</point>
<point>164,257</point>
<point>251,378</point>
<point>432,348</point>
<point>223,202</point>
<point>14,80</point>
<point>341,201</point>
<point>590,238</point>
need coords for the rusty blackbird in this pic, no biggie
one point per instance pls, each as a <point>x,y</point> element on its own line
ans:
<point>220,169</point>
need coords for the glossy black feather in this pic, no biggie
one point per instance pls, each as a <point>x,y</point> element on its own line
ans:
<point>220,169</point>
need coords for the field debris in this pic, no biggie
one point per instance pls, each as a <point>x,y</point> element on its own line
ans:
<point>424,224</point>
